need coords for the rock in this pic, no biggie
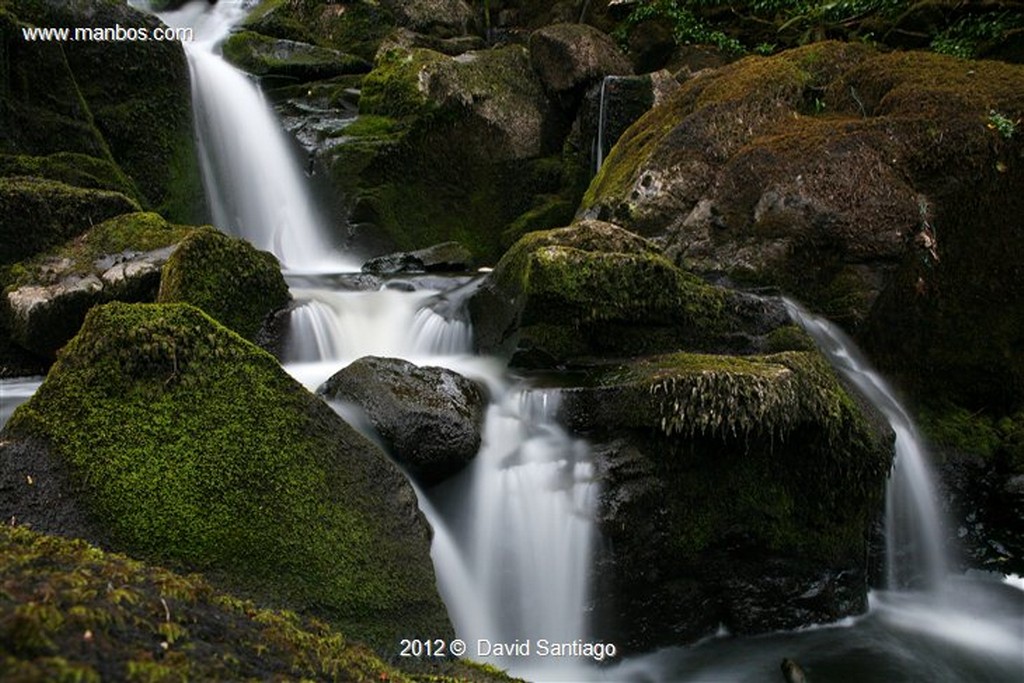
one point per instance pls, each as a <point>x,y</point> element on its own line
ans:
<point>446,257</point>
<point>406,186</point>
<point>37,214</point>
<point>120,259</point>
<point>354,27</point>
<point>186,445</point>
<point>70,168</point>
<point>735,491</point>
<point>289,59</point>
<point>874,187</point>
<point>441,18</point>
<point>123,101</point>
<point>226,277</point>
<point>429,418</point>
<point>571,57</point>
<point>403,38</point>
<point>593,290</point>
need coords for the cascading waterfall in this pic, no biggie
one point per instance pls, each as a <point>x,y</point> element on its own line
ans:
<point>602,116</point>
<point>913,527</point>
<point>253,183</point>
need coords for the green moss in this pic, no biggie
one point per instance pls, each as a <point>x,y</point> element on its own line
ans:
<point>227,278</point>
<point>551,211</point>
<point>264,56</point>
<point>70,168</point>
<point>789,338</point>
<point>37,214</point>
<point>393,87</point>
<point>70,612</point>
<point>191,446</point>
<point>356,27</point>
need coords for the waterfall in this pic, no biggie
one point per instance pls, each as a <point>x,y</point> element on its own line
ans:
<point>602,116</point>
<point>913,528</point>
<point>253,181</point>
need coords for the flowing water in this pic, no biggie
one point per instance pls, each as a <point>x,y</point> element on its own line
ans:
<point>513,532</point>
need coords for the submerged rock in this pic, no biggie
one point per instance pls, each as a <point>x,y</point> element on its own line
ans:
<point>430,418</point>
<point>183,444</point>
<point>735,491</point>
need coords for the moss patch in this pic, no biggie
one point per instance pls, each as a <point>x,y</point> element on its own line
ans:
<point>192,447</point>
<point>70,168</point>
<point>37,214</point>
<point>70,611</point>
<point>265,56</point>
<point>227,278</point>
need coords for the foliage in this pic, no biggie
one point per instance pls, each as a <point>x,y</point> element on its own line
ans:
<point>687,27</point>
<point>1003,125</point>
<point>965,37</point>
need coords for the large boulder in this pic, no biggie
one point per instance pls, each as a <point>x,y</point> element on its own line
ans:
<point>47,297</point>
<point>594,289</point>
<point>429,418</point>
<point>881,189</point>
<point>123,101</point>
<point>228,278</point>
<point>571,57</point>
<point>180,443</point>
<point>406,186</point>
<point>441,18</point>
<point>735,491</point>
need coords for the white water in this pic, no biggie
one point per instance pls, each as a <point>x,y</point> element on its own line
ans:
<point>253,181</point>
<point>914,537</point>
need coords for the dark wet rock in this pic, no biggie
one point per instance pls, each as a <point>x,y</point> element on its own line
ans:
<point>429,418</point>
<point>184,444</point>
<point>735,491</point>
<point>445,257</point>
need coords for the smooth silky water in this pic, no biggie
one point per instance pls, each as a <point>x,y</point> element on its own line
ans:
<point>514,532</point>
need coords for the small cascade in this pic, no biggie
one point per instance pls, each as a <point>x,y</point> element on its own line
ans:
<point>913,529</point>
<point>602,117</point>
<point>521,541</point>
<point>253,181</point>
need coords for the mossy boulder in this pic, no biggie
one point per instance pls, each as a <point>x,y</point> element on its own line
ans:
<point>186,445</point>
<point>429,418</point>
<point>46,297</point>
<point>878,188</point>
<point>226,277</point>
<point>278,57</point>
<point>594,289</point>
<point>441,18</point>
<point>38,214</point>
<point>71,611</point>
<point>571,57</point>
<point>735,491</point>
<point>70,168</point>
<point>407,187</point>
<point>355,27</point>
<point>123,101</point>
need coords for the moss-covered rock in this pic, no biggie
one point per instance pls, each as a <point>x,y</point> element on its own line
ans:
<point>70,168</point>
<point>45,298</point>
<point>187,445</point>
<point>353,27</point>
<point>226,277</point>
<point>37,214</point>
<point>594,289</point>
<point>878,188</point>
<point>126,101</point>
<point>289,59</point>
<point>73,612</point>
<point>407,185</point>
<point>571,57</point>
<point>736,491</point>
<point>441,18</point>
